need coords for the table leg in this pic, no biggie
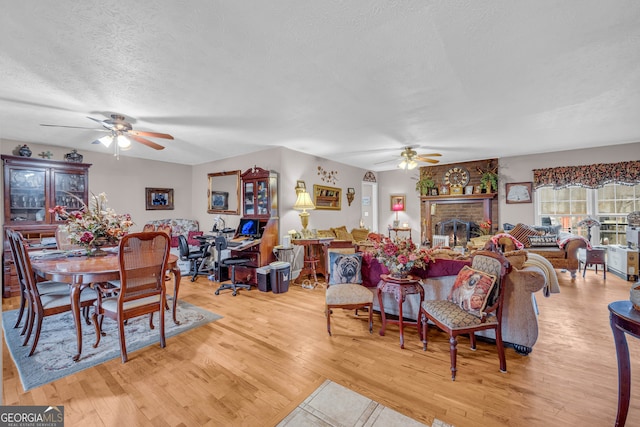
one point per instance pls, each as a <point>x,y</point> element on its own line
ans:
<point>382,313</point>
<point>176,287</point>
<point>76,288</point>
<point>624,372</point>
<point>400,300</point>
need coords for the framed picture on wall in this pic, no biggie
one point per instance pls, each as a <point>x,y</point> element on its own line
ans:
<point>159,199</point>
<point>519,192</point>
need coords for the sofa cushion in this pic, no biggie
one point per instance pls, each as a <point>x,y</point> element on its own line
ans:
<point>522,233</point>
<point>546,240</point>
<point>345,268</point>
<point>191,238</point>
<point>342,233</point>
<point>360,234</point>
<point>471,290</point>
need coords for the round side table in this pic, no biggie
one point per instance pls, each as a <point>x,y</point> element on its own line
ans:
<point>400,288</point>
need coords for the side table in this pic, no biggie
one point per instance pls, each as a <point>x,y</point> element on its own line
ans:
<point>624,318</point>
<point>400,288</point>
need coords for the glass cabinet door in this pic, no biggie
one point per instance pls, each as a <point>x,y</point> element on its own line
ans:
<point>262,198</point>
<point>69,189</point>
<point>26,195</point>
<point>249,202</point>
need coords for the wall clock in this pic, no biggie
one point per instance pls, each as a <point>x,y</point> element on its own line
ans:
<point>456,176</point>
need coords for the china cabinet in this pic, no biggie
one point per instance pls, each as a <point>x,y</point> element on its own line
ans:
<point>31,188</point>
<point>259,193</point>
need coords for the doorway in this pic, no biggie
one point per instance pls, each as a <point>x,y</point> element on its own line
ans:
<point>369,205</point>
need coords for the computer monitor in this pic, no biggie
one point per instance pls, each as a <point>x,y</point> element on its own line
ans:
<point>248,228</point>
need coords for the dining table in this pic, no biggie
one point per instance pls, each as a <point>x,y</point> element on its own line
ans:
<point>82,271</point>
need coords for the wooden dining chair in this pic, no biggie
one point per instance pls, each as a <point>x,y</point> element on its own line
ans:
<point>142,291</point>
<point>43,298</point>
<point>475,304</point>
<point>148,228</point>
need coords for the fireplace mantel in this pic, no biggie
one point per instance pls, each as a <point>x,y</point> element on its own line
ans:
<point>427,227</point>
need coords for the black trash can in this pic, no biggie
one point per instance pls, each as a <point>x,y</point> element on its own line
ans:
<point>264,284</point>
<point>280,275</point>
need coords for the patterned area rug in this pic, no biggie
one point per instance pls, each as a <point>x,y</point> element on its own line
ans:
<point>57,345</point>
<point>332,405</point>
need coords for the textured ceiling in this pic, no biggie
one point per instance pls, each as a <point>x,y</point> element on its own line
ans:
<point>353,81</point>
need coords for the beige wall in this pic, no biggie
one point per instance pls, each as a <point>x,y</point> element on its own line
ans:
<point>124,181</point>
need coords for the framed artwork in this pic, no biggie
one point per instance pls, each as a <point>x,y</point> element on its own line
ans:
<point>219,201</point>
<point>159,199</point>
<point>434,191</point>
<point>519,192</point>
<point>444,189</point>
<point>301,185</point>
<point>327,197</point>
<point>398,202</point>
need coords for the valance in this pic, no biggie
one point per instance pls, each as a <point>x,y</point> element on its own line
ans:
<point>589,176</point>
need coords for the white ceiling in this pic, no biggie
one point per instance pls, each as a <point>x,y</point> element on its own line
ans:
<point>352,81</point>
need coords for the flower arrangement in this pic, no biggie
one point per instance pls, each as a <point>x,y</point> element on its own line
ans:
<point>399,255</point>
<point>484,228</point>
<point>94,225</point>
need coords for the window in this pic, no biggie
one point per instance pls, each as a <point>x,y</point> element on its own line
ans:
<point>610,204</point>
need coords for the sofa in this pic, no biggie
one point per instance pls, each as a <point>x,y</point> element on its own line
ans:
<point>559,248</point>
<point>189,228</point>
<point>520,318</point>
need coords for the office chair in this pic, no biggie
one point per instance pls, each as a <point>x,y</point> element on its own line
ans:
<point>196,258</point>
<point>221,244</point>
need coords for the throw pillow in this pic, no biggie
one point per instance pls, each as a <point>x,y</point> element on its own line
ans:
<point>345,268</point>
<point>191,238</point>
<point>471,290</point>
<point>546,240</point>
<point>522,233</point>
<point>325,233</point>
<point>342,233</point>
<point>359,234</point>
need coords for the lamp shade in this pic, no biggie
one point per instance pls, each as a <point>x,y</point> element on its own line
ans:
<point>303,202</point>
<point>398,207</point>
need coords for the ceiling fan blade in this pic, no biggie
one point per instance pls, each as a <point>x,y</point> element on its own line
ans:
<point>428,160</point>
<point>75,127</point>
<point>430,155</point>
<point>151,134</point>
<point>146,142</point>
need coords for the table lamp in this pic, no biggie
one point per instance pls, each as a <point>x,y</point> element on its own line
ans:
<point>397,207</point>
<point>303,202</point>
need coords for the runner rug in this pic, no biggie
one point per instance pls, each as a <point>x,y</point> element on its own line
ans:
<point>57,345</point>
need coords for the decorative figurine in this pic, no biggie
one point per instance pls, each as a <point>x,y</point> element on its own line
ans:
<point>24,151</point>
<point>73,156</point>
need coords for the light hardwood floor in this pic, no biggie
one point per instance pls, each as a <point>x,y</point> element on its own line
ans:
<point>271,350</point>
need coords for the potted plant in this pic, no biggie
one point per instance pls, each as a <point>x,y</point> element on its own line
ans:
<point>424,185</point>
<point>489,181</point>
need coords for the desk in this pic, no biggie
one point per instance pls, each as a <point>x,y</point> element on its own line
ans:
<point>623,318</point>
<point>81,272</point>
<point>400,288</point>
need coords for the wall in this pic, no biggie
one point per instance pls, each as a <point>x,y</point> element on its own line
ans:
<point>520,169</point>
<point>124,181</point>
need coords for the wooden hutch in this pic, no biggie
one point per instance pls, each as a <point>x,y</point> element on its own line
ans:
<point>259,201</point>
<point>31,188</point>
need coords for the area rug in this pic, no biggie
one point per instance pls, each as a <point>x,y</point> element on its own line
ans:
<point>334,405</point>
<point>57,345</point>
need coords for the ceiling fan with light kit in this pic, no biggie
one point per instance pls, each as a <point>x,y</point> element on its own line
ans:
<point>121,131</point>
<point>410,158</point>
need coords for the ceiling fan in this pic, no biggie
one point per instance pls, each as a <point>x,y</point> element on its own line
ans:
<point>121,131</point>
<point>410,158</point>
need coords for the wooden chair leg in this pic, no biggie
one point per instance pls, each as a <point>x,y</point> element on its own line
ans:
<point>36,338</point>
<point>370,308</point>
<point>425,328</point>
<point>161,321</point>
<point>453,349</point>
<point>96,324</point>
<point>472,338</point>
<point>328,314</point>
<point>500,344</point>
<point>23,304</point>
<point>31,321</point>
<point>123,345</point>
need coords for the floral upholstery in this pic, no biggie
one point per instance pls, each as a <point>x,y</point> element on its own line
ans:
<point>348,294</point>
<point>451,314</point>
<point>178,227</point>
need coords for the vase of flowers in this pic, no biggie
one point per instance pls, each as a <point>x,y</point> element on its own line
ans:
<point>399,255</point>
<point>94,226</point>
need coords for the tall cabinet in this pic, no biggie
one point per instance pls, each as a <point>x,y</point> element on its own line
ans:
<point>31,188</point>
<point>260,201</point>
